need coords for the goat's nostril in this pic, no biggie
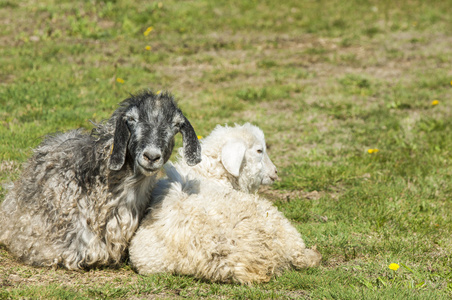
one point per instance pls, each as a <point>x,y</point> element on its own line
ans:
<point>151,158</point>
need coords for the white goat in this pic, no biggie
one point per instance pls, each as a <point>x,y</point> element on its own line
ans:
<point>204,222</point>
<point>81,196</point>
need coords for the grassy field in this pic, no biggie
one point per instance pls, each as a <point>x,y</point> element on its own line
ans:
<point>355,98</point>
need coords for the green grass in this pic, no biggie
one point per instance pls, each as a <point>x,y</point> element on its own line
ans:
<point>326,81</point>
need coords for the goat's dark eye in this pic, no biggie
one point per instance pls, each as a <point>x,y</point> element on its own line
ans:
<point>130,120</point>
<point>260,151</point>
<point>176,127</point>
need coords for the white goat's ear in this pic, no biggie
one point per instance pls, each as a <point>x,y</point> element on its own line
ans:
<point>232,155</point>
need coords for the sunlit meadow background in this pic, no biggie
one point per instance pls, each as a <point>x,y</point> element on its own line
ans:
<point>355,99</point>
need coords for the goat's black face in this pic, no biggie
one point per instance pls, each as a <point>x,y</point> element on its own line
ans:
<point>152,132</point>
<point>145,132</point>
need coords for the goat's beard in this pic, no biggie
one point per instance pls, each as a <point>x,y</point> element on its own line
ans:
<point>139,170</point>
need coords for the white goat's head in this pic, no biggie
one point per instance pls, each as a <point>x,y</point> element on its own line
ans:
<point>243,155</point>
<point>144,133</point>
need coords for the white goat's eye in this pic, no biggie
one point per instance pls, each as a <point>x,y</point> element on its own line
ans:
<point>260,151</point>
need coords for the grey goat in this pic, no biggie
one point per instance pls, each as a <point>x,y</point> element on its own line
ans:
<point>81,196</point>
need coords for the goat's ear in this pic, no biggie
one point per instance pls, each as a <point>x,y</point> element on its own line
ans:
<point>192,147</point>
<point>232,155</point>
<point>120,141</point>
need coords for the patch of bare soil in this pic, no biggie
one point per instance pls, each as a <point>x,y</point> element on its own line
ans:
<point>287,196</point>
<point>15,274</point>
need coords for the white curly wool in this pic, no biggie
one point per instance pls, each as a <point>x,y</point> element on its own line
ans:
<point>206,222</point>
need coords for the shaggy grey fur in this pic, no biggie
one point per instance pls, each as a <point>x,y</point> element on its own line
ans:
<point>81,196</point>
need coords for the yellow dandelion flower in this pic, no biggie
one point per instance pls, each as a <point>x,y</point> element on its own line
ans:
<point>451,82</point>
<point>148,48</point>
<point>120,80</point>
<point>158,92</point>
<point>199,137</point>
<point>435,102</point>
<point>148,30</point>
<point>160,5</point>
<point>372,151</point>
<point>394,266</point>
